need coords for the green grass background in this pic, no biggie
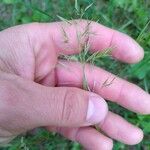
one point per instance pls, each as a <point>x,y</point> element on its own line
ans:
<point>128,16</point>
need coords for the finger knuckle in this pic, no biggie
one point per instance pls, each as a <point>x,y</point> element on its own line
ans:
<point>70,105</point>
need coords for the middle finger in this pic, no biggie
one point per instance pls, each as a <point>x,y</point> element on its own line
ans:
<point>105,84</point>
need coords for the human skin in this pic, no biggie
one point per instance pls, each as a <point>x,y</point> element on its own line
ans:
<point>37,89</point>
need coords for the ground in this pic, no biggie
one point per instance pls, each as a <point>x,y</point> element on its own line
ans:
<point>131,17</point>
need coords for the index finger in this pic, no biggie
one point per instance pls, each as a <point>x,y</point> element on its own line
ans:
<point>68,38</point>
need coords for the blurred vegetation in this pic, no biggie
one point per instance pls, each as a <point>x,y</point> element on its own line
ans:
<point>128,16</point>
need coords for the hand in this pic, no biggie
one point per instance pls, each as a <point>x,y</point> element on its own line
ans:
<point>37,90</point>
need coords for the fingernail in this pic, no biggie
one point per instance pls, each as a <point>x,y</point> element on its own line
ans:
<point>97,109</point>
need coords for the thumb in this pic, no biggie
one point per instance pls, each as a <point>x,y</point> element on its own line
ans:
<point>64,106</point>
<point>29,105</point>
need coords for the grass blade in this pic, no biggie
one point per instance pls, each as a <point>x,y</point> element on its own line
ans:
<point>64,20</point>
<point>142,32</point>
<point>88,7</point>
